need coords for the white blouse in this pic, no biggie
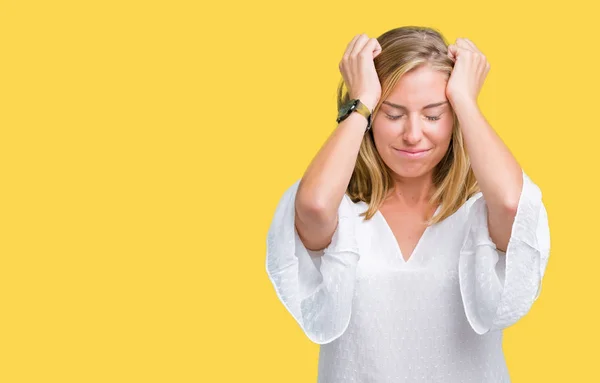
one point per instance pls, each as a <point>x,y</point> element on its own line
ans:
<point>437,317</point>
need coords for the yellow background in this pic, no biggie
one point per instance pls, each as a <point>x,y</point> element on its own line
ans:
<point>145,144</point>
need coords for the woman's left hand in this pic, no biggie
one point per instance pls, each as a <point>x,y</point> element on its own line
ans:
<point>470,70</point>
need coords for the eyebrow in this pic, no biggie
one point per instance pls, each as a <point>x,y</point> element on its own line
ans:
<point>405,108</point>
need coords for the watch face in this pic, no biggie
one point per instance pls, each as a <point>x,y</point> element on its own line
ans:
<point>347,107</point>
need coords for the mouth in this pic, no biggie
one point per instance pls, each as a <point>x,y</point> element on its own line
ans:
<point>412,153</point>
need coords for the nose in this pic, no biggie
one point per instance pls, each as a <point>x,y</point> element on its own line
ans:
<point>413,131</point>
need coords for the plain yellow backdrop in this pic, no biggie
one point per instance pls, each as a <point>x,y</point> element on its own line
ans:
<point>145,144</point>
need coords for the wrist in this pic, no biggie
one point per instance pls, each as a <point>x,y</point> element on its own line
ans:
<point>358,119</point>
<point>462,103</point>
<point>369,102</point>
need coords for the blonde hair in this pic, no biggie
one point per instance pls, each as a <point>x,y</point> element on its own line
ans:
<point>404,49</point>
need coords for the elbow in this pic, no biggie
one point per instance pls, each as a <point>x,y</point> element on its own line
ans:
<point>308,202</point>
<point>308,210</point>
<point>512,200</point>
<point>511,207</point>
<point>510,211</point>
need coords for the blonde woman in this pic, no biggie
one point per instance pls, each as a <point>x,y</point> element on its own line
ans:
<point>414,237</point>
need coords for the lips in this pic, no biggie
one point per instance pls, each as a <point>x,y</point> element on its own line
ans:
<point>412,154</point>
<point>412,151</point>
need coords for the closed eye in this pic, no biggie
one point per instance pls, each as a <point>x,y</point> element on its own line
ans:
<point>430,118</point>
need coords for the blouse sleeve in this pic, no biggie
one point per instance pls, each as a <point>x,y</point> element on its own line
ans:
<point>317,291</point>
<point>499,288</point>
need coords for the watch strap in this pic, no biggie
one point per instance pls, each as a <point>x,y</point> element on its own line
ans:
<point>355,105</point>
<point>364,110</point>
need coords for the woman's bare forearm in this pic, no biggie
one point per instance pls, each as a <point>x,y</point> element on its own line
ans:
<point>325,181</point>
<point>326,178</point>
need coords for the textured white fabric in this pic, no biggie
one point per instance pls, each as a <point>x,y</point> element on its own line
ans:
<point>437,317</point>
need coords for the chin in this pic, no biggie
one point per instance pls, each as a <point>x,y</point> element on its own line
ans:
<point>411,171</point>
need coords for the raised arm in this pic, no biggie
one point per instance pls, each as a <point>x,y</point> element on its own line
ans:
<point>327,177</point>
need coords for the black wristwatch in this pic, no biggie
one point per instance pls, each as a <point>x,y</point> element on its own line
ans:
<point>354,105</point>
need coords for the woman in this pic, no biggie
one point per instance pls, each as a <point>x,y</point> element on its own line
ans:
<point>407,247</point>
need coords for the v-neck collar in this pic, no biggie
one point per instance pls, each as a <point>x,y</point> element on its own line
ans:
<point>390,233</point>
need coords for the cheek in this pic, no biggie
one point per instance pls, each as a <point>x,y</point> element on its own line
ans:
<point>384,130</point>
<point>380,121</point>
<point>441,133</point>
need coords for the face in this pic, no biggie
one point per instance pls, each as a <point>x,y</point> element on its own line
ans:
<point>411,137</point>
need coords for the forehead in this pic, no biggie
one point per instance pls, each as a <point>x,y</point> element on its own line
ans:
<point>419,87</point>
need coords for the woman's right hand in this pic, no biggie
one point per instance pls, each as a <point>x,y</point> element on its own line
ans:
<point>358,70</point>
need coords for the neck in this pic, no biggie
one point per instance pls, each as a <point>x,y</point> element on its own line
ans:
<point>414,191</point>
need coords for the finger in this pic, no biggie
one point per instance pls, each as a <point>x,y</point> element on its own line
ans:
<point>461,43</point>
<point>372,46</point>
<point>452,51</point>
<point>472,45</point>
<point>359,44</point>
<point>350,46</point>
<point>378,48</point>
